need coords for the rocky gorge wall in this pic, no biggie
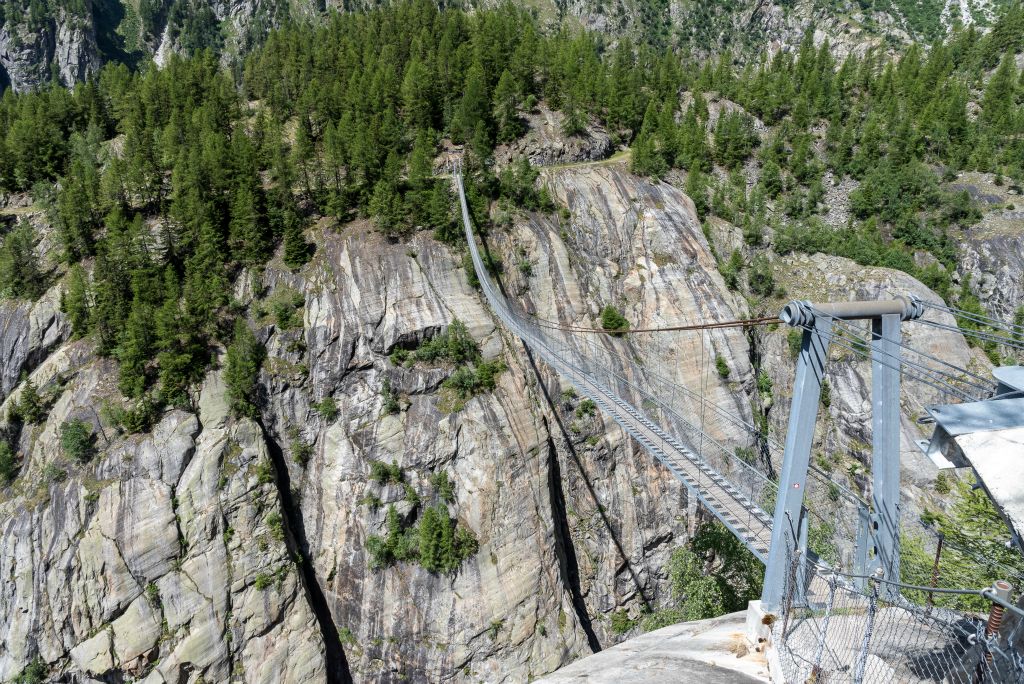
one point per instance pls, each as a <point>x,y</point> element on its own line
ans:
<point>225,549</point>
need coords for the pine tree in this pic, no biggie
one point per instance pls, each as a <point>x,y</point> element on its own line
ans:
<point>506,108</point>
<point>8,463</point>
<point>249,236</point>
<point>647,158</point>
<point>75,301</point>
<point>244,358</point>
<point>430,538</point>
<point>697,189</point>
<point>20,275</point>
<point>421,166</point>
<point>31,408</point>
<point>418,96</point>
<point>296,249</point>
<point>998,105</point>
<point>136,350</point>
<point>474,108</point>
<point>771,179</point>
<point>692,148</point>
<point>440,215</point>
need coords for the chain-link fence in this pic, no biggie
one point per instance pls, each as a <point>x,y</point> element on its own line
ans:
<point>837,627</point>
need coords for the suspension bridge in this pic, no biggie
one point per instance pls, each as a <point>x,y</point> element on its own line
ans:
<point>824,621</point>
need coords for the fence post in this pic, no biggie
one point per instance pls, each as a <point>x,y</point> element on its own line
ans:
<point>862,657</point>
<point>820,649</point>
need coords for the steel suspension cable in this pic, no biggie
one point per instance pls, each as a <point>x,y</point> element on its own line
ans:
<point>841,342</point>
<point>981,335</point>
<point>1011,328</point>
<point>725,414</point>
<point>936,374</point>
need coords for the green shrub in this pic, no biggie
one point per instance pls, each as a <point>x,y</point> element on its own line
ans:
<point>794,341</point>
<point>746,454</point>
<point>263,581</point>
<point>264,472</point>
<point>34,673</point>
<point>328,409</point>
<point>466,382</point>
<point>77,440</point>
<point>411,496</point>
<point>764,384</point>
<point>153,594</point>
<point>613,320</point>
<point>586,409</point>
<point>762,279</point>
<point>53,473</point>
<point>721,366</point>
<point>454,345</point>
<point>826,393</point>
<point>495,627</point>
<point>8,463</point>
<point>383,473</point>
<point>285,305</point>
<point>391,405</point>
<point>301,450</point>
<point>275,523</point>
<point>371,500</point>
<point>731,270</point>
<point>621,622</point>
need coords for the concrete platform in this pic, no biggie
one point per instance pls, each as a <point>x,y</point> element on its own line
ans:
<point>709,652</point>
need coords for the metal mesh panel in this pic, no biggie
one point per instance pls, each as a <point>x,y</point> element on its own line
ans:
<point>842,628</point>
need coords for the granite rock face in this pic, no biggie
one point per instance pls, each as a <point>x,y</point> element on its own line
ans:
<point>63,46</point>
<point>158,561</point>
<point>217,548</point>
<point>28,333</point>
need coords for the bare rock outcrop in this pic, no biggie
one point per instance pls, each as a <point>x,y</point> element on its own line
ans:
<point>545,143</point>
<point>160,559</point>
<point>28,333</point>
<point>62,45</point>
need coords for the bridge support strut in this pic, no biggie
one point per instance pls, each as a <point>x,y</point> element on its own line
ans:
<point>878,545</point>
<point>788,522</point>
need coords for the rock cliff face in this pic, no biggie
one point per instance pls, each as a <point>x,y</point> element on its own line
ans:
<point>207,550</point>
<point>63,46</point>
<point>72,47</point>
<point>225,549</point>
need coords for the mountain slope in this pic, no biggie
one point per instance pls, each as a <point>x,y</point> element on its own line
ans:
<point>43,40</point>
